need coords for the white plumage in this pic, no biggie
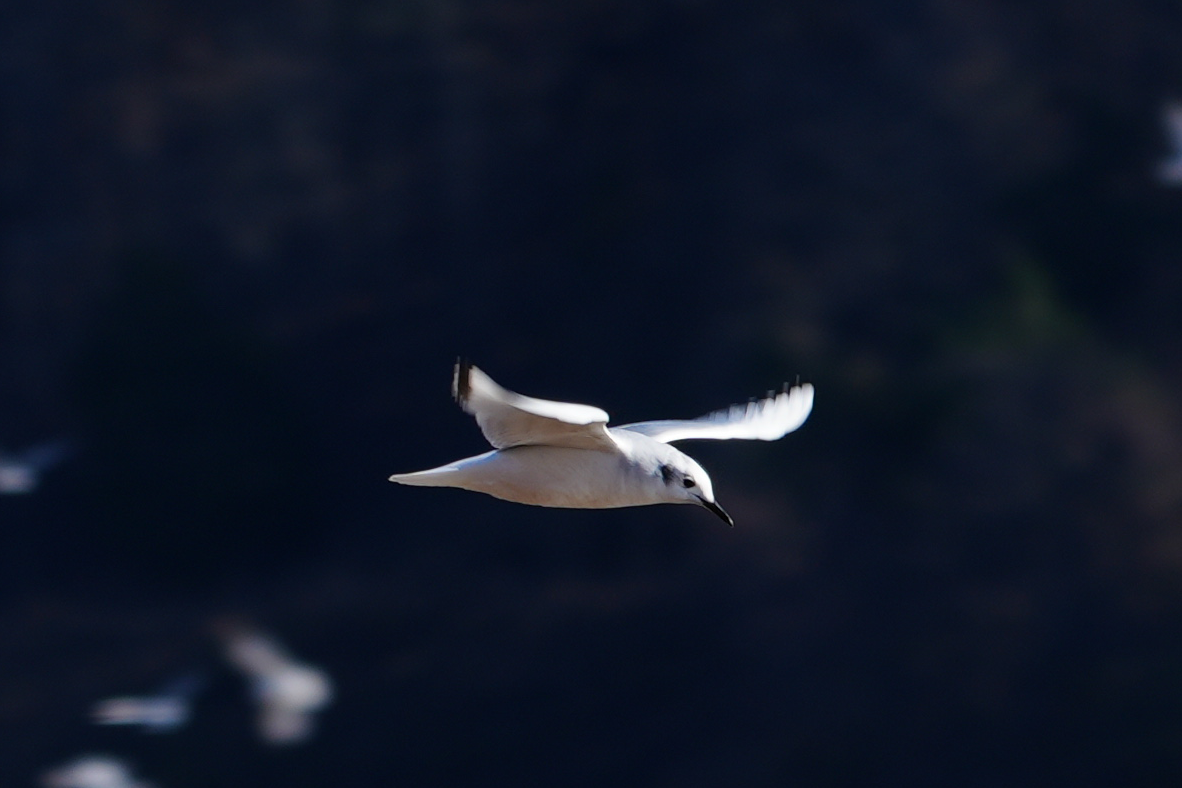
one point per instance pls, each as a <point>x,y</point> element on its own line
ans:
<point>92,771</point>
<point>1170,171</point>
<point>564,455</point>
<point>287,692</point>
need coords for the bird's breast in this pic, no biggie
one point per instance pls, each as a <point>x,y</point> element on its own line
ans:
<point>558,477</point>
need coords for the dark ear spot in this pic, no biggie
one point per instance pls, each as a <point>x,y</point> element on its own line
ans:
<point>667,474</point>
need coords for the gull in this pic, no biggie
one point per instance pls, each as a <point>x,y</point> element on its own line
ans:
<point>20,473</point>
<point>160,713</point>
<point>1169,171</point>
<point>564,455</point>
<point>287,692</point>
<point>92,771</point>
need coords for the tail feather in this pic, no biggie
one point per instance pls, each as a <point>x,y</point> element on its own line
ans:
<point>436,477</point>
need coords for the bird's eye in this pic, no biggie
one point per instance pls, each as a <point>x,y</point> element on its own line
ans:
<point>688,482</point>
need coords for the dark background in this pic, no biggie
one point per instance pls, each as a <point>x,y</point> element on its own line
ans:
<point>244,242</point>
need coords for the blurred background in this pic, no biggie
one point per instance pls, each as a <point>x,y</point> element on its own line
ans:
<point>243,243</point>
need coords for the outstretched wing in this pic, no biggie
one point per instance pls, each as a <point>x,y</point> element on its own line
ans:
<point>508,419</point>
<point>767,419</point>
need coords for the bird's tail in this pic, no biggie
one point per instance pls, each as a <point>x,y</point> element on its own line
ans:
<point>444,476</point>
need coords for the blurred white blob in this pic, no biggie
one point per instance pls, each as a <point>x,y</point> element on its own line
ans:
<point>92,771</point>
<point>160,713</point>
<point>287,692</point>
<point>20,473</point>
<point>1169,172</point>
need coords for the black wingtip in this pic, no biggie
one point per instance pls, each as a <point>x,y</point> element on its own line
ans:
<point>461,385</point>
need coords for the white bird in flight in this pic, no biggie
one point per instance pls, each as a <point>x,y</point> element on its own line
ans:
<point>287,692</point>
<point>160,713</point>
<point>20,473</point>
<point>92,771</point>
<point>1170,171</point>
<point>564,455</point>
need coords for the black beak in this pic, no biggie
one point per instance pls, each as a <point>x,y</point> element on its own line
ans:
<point>718,510</point>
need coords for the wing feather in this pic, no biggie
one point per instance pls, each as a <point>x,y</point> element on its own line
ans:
<point>767,419</point>
<point>509,419</point>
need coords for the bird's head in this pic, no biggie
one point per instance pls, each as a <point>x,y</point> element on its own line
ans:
<point>687,482</point>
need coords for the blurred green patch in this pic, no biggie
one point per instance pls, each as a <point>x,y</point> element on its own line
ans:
<point>1026,315</point>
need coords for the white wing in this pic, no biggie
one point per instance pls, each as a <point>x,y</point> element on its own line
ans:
<point>508,419</point>
<point>255,654</point>
<point>92,771</point>
<point>279,725</point>
<point>768,419</point>
<point>157,714</point>
<point>286,702</point>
